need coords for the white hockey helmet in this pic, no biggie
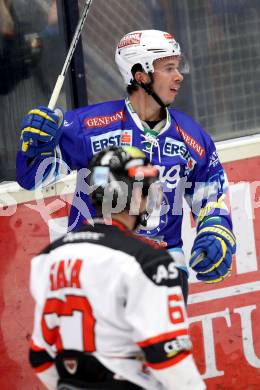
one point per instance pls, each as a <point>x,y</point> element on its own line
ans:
<point>144,47</point>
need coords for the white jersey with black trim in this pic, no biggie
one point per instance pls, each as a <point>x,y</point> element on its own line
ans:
<point>103,291</point>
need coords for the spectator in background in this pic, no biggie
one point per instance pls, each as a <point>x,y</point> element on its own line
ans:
<point>23,44</point>
<point>6,20</point>
<point>29,35</point>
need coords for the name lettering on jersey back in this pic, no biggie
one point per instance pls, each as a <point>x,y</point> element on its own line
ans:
<point>164,272</point>
<point>105,120</point>
<point>111,138</point>
<point>189,140</point>
<point>82,236</point>
<point>65,273</point>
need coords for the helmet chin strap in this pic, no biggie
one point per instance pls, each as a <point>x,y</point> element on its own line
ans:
<point>148,88</point>
<point>138,221</point>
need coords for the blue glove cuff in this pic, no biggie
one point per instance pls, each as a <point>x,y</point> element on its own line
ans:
<point>212,251</point>
<point>221,232</point>
<point>218,227</point>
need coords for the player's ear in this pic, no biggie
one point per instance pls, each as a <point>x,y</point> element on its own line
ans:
<point>142,77</point>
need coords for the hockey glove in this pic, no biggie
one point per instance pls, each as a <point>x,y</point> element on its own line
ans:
<point>40,132</point>
<point>211,254</point>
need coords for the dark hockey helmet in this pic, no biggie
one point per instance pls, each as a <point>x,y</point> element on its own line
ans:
<point>114,172</point>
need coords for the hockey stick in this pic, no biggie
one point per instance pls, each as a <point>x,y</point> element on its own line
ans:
<point>61,77</point>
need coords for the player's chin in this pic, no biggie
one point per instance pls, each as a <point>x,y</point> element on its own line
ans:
<point>169,101</point>
<point>170,98</point>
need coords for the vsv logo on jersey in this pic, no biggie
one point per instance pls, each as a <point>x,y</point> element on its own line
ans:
<point>112,138</point>
<point>175,148</point>
<point>214,160</point>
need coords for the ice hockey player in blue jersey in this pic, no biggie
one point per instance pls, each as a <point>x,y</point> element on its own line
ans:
<point>150,64</point>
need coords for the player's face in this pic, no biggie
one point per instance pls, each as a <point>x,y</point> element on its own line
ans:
<point>167,78</point>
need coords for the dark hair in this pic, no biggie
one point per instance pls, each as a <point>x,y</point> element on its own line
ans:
<point>133,87</point>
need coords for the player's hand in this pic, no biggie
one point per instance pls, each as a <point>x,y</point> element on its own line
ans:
<point>211,254</point>
<point>40,132</point>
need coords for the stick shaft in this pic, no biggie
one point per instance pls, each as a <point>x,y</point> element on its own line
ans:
<point>61,77</point>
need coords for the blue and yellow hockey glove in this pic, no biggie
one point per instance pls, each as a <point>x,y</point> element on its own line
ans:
<point>211,254</point>
<point>40,132</point>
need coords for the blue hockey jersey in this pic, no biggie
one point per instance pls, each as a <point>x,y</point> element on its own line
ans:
<point>184,153</point>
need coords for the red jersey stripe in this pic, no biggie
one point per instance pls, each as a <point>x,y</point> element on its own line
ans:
<point>43,367</point>
<point>170,362</point>
<point>35,347</point>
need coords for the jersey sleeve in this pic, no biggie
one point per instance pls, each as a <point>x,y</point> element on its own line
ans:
<point>72,143</point>
<point>41,355</point>
<point>207,192</point>
<point>156,311</point>
<point>70,154</point>
<point>43,366</point>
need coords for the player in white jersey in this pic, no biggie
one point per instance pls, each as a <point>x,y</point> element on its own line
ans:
<point>110,313</point>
